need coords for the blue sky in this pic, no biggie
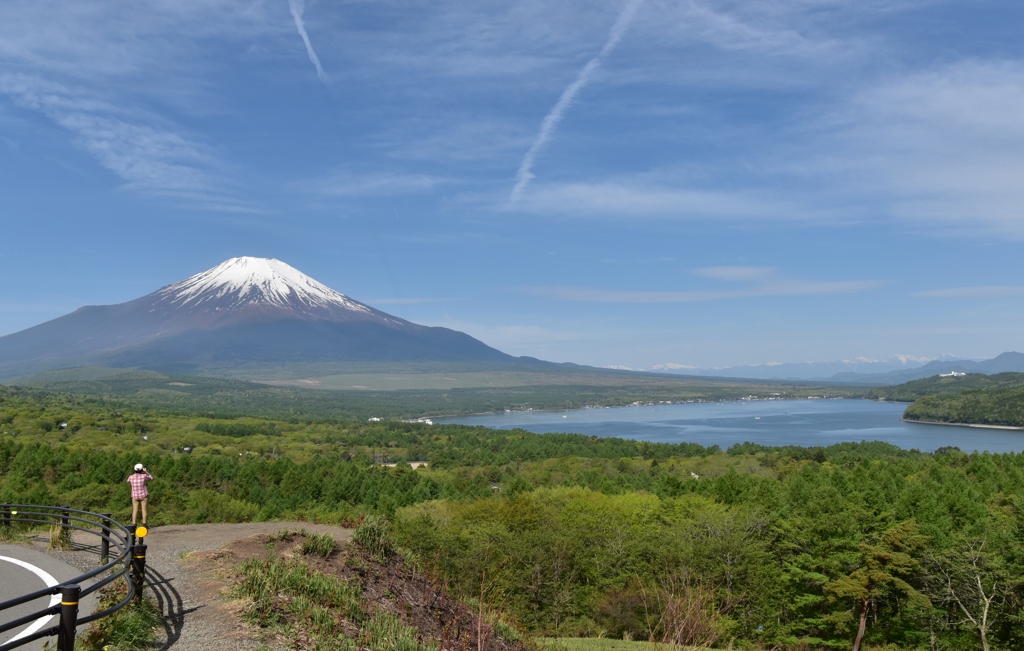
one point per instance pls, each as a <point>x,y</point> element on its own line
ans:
<point>610,183</point>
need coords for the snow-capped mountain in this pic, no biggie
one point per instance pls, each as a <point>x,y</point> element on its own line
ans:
<point>259,283</point>
<point>244,311</point>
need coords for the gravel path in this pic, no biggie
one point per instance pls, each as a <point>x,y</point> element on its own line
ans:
<point>196,618</point>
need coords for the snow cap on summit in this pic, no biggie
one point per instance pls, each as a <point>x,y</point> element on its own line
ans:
<point>256,281</point>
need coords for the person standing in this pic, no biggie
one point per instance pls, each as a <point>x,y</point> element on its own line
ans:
<point>140,494</point>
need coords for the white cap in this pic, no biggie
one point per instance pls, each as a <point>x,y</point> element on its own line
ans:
<point>138,466</point>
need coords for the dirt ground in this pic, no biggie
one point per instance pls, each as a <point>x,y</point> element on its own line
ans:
<point>196,617</point>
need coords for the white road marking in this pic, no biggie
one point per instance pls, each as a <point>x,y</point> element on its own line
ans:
<point>49,581</point>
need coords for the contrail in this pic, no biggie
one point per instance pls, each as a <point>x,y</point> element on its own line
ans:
<point>551,120</point>
<point>298,7</point>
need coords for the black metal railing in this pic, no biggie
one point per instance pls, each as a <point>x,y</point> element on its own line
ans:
<point>120,556</point>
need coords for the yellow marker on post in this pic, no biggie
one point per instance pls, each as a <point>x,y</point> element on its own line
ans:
<point>141,532</point>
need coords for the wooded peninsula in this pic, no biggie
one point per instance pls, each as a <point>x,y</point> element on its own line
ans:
<point>973,399</point>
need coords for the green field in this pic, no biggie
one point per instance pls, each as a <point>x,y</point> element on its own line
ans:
<point>602,644</point>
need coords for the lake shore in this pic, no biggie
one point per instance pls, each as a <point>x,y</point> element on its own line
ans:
<point>558,410</point>
<point>773,423</point>
<point>935,422</point>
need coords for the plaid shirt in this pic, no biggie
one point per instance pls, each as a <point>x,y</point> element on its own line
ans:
<point>138,481</point>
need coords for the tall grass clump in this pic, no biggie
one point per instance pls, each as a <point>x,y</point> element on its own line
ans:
<point>60,538</point>
<point>319,544</point>
<point>373,536</point>
<point>8,534</point>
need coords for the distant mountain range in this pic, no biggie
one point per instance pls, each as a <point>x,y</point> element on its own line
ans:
<point>1009,362</point>
<point>893,370</point>
<point>245,311</point>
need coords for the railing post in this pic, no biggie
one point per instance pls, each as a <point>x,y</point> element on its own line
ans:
<point>105,538</point>
<point>69,595</point>
<point>139,569</point>
<point>64,520</point>
<point>7,515</point>
<point>131,530</point>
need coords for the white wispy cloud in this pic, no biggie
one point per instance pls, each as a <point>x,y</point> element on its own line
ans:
<point>989,291</point>
<point>354,184</point>
<point>643,196</point>
<point>298,8</point>
<point>758,281</point>
<point>127,142</point>
<point>940,148</point>
<point>547,127</point>
<point>732,30</point>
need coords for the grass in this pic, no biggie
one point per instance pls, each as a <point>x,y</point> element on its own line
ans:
<point>9,534</point>
<point>278,587</point>
<point>289,596</point>
<point>385,632</point>
<point>132,628</point>
<point>601,644</point>
<point>319,544</point>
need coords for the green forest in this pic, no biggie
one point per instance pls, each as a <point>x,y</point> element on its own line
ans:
<point>1002,407</point>
<point>751,547</point>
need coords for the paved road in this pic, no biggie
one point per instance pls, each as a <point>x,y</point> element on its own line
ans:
<point>24,570</point>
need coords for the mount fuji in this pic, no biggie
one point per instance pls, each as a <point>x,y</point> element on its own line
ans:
<point>243,312</point>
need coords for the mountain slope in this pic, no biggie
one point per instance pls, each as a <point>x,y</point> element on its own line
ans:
<point>245,311</point>
<point>939,384</point>
<point>1009,362</point>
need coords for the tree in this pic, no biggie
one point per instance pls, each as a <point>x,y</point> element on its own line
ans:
<point>885,565</point>
<point>971,579</point>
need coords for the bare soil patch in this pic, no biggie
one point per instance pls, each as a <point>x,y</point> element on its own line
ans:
<point>387,585</point>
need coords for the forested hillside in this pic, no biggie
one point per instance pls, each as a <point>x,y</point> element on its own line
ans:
<point>753,547</point>
<point>971,399</point>
<point>1003,407</point>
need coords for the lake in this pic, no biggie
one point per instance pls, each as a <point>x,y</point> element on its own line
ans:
<point>768,422</point>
